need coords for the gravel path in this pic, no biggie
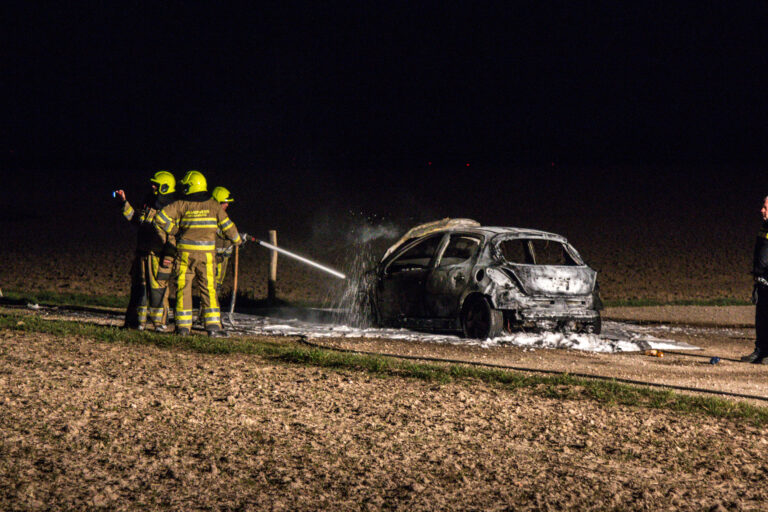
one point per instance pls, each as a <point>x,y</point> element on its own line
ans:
<point>732,316</point>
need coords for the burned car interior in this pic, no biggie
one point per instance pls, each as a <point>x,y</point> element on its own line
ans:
<point>536,252</point>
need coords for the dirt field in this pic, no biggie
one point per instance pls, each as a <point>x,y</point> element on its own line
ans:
<point>91,425</point>
<point>111,426</point>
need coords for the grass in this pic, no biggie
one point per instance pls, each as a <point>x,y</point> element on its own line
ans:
<point>290,352</point>
<point>61,299</point>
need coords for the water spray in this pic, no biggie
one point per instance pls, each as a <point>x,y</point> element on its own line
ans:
<point>300,258</point>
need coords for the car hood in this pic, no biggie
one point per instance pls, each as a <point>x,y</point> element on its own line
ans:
<point>553,280</point>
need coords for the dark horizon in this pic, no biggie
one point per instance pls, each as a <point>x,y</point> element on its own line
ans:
<point>305,86</point>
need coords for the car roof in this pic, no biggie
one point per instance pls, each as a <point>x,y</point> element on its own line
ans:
<point>507,232</point>
<point>470,226</point>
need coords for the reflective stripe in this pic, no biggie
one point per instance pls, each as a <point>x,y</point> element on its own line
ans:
<point>153,264</point>
<point>165,222</point>
<point>210,282</point>
<point>762,234</point>
<point>196,245</point>
<point>181,281</point>
<point>207,223</point>
<point>128,211</point>
<point>237,239</point>
<point>184,318</point>
<point>226,224</point>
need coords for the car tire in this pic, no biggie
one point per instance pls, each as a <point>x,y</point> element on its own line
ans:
<point>479,320</point>
<point>594,327</point>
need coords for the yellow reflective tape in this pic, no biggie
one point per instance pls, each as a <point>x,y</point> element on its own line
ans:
<point>162,219</point>
<point>202,247</point>
<point>181,282</point>
<point>219,275</point>
<point>762,234</point>
<point>211,281</point>
<point>153,264</point>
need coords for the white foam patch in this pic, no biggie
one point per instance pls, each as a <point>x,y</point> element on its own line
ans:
<point>616,336</point>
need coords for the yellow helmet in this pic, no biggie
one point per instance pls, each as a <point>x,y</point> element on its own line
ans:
<point>221,194</point>
<point>194,181</point>
<point>166,183</point>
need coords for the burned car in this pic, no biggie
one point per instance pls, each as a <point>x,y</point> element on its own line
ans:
<point>456,275</point>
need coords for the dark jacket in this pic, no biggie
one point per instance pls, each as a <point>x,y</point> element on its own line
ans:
<point>760,257</point>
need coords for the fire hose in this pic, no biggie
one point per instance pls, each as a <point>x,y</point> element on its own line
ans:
<point>271,247</point>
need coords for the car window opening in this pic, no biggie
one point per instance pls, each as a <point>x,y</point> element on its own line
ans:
<point>417,257</point>
<point>460,248</point>
<point>536,252</point>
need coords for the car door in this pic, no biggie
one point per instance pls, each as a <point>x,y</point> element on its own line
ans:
<point>401,288</point>
<point>446,282</point>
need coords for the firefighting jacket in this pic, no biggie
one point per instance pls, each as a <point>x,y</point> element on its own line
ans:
<point>224,246</point>
<point>760,257</point>
<point>194,221</point>
<point>148,239</point>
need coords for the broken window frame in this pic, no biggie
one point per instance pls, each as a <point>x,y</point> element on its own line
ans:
<point>530,253</point>
<point>446,244</point>
<point>388,269</point>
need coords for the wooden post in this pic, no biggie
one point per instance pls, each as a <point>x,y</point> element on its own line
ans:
<point>272,282</point>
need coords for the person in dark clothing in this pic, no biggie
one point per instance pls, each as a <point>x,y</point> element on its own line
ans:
<point>760,293</point>
<point>148,278</point>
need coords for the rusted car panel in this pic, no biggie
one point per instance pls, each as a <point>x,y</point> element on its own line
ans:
<point>442,275</point>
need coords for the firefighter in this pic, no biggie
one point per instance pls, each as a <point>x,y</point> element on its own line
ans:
<point>224,246</point>
<point>194,220</point>
<point>147,277</point>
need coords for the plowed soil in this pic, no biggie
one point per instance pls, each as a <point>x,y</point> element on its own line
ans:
<point>89,425</point>
<point>92,425</point>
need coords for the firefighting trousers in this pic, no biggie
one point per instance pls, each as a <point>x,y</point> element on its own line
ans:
<point>221,270</point>
<point>198,267</point>
<point>149,295</point>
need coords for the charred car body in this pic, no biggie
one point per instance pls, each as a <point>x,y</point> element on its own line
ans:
<point>455,275</point>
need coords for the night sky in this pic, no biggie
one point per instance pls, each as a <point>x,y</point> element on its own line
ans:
<point>368,95</point>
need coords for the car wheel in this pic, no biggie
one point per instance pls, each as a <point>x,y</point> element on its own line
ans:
<point>480,320</point>
<point>594,327</point>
